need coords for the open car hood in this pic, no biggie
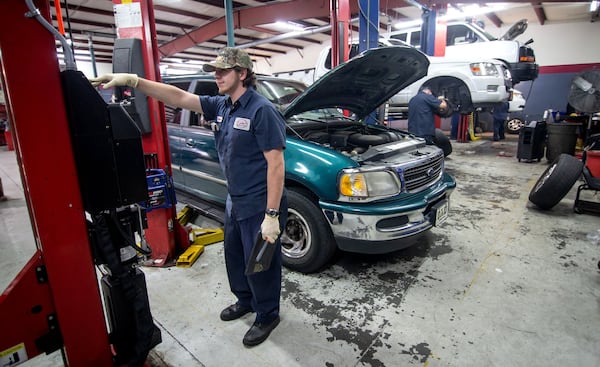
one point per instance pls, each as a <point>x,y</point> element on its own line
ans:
<point>515,30</point>
<point>363,83</point>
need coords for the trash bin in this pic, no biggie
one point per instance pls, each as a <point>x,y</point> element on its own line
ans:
<point>562,138</point>
<point>532,140</point>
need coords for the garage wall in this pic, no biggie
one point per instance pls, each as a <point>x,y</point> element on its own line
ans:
<point>562,44</point>
<point>562,50</point>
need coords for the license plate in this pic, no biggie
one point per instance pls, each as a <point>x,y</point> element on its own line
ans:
<point>440,212</point>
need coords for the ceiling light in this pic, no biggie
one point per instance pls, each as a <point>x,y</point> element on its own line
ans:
<point>291,26</point>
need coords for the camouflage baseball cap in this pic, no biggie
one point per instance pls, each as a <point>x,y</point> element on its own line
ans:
<point>228,58</point>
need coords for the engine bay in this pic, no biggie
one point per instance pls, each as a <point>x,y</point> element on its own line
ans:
<point>349,139</point>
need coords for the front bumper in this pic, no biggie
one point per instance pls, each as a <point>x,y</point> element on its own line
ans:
<point>383,228</point>
<point>489,91</point>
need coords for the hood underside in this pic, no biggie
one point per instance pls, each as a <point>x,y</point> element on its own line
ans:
<point>363,83</point>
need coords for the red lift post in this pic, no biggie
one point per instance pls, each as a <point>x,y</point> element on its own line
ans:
<point>161,222</point>
<point>340,23</point>
<point>439,45</point>
<point>58,287</point>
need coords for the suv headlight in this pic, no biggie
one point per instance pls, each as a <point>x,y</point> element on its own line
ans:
<point>360,185</point>
<point>484,68</point>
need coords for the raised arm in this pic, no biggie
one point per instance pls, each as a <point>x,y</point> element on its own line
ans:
<point>166,93</point>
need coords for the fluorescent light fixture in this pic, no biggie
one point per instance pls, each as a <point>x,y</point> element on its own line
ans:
<point>594,5</point>
<point>408,24</point>
<point>291,26</point>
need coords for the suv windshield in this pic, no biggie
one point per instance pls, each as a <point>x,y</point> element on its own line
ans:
<point>280,92</point>
<point>323,115</point>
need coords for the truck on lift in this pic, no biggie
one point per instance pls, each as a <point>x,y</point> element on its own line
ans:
<point>467,84</point>
<point>467,40</point>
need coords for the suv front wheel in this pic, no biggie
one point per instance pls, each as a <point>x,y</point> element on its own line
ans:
<point>307,243</point>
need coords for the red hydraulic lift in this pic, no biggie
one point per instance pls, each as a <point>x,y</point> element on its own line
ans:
<point>135,20</point>
<point>433,35</point>
<point>55,299</point>
<point>340,24</point>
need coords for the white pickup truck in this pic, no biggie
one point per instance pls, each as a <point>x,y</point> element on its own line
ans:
<point>469,41</point>
<point>467,84</point>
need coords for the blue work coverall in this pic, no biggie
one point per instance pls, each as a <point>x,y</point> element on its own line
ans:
<point>243,131</point>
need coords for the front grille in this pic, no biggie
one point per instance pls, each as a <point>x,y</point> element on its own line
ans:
<point>418,177</point>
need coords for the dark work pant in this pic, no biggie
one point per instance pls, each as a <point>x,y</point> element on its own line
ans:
<point>260,291</point>
<point>498,129</point>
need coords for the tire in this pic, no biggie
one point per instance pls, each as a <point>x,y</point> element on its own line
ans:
<point>514,125</point>
<point>442,141</point>
<point>556,181</point>
<point>446,112</point>
<point>307,243</point>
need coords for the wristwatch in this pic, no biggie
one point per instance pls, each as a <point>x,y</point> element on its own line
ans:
<point>272,212</point>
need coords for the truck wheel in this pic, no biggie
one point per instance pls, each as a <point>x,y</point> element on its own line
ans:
<point>556,181</point>
<point>307,243</point>
<point>514,125</point>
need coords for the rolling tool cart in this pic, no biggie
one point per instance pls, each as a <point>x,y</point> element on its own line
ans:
<point>532,141</point>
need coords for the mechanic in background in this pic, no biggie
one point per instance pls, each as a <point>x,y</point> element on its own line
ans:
<point>250,138</point>
<point>500,114</point>
<point>421,110</point>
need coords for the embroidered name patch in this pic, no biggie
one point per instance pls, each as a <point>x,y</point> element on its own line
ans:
<point>241,123</point>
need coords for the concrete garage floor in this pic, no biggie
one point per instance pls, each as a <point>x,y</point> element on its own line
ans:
<point>500,283</point>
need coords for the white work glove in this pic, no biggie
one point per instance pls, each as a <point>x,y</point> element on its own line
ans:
<point>116,80</point>
<point>270,228</point>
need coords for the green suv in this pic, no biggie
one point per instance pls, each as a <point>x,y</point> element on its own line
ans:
<point>352,184</point>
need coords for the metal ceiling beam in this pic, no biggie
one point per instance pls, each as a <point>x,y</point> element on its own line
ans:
<point>494,19</point>
<point>292,10</point>
<point>181,12</point>
<point>539,11</point>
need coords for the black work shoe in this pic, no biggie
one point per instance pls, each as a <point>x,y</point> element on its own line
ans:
<point>258,333</point>
<point>234,312</point>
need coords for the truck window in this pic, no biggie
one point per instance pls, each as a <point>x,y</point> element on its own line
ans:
<point>400,36</point>
<point>415,39</point>
<point>353,52</point>
<point>459,34</point>
<point>203,88</point>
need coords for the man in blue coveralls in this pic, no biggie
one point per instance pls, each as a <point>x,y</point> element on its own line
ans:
<point>421,109</point>
<point>250,138</point>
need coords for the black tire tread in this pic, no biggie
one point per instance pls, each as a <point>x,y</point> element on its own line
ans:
<point>547,194</point>
<point>442,142</point>
<point>323,247</point>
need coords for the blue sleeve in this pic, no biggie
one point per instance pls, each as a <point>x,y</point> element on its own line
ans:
<point>209,106</point>
<point>433,101</point>
<point>269,128</point>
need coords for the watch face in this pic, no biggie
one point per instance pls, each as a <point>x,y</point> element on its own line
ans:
<point>272,212</point>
